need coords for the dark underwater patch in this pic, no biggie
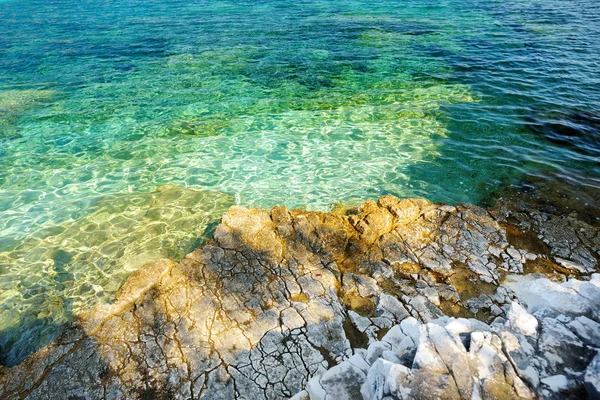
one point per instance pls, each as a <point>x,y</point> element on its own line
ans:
<point>579,130</point>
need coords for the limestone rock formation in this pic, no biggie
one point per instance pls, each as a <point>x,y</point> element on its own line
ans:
<point>396,298</point>
<point>523,356</point>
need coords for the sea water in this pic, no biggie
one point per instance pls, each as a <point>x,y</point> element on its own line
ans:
<point>128,127</point>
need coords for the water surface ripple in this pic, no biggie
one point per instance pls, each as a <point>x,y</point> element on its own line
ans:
<point>127,127</point>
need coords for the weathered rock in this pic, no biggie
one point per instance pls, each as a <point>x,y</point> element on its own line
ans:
<point>460,358</point>
<point>444,366</point>
<point>295,302</point>
<point>572,244</point>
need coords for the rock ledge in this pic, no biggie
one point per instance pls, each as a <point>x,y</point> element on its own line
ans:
<point>392,299</point>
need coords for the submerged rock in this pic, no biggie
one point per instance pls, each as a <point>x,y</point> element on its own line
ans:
<point>392,299</point>
<point>577,130</point>
<point>15,103</point>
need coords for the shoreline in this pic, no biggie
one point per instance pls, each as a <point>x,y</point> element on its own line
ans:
<point>292,293</point>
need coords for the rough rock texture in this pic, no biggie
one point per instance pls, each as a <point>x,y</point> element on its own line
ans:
<point>522,356</point>
<point>280,298</point>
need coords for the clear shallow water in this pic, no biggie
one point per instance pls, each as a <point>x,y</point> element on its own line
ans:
<point>269,102</point>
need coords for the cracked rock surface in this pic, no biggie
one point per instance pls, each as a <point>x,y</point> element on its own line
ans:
<point>392,299</point>
<point>549,354</point>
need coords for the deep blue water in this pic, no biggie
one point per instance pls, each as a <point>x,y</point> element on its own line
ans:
<point>304,103</point>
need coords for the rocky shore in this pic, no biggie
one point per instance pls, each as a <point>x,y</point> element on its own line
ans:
<point>394,299</point>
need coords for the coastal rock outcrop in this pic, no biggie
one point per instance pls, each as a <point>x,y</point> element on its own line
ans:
<point>391,299</point>
<point>550,354</point>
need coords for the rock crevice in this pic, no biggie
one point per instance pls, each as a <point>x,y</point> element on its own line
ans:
<point>391,299</point>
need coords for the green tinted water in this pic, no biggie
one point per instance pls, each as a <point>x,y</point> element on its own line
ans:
<point>304,104</point>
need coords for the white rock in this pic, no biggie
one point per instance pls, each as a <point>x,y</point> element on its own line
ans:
<point>432,295</point>
<point>376,349</point>
<point>495,310</point>
<point>303,395</point>
<point>393,306</point>
<point>573,297</point>
<point>394,336</point>
<point>361,323</point>
<point>525,351</point>
<point>514,253</point>
<point>410,327</point>
<point>521,321</point>
<point>384,379</point>
<point>315,390</point>
<point>374,386</point>
<point>484,354</point>
<point>531,256</point>
<point>571,265</point>
<point>391,357</point>
<point>556,383</point>
<point>358,361</point>
<point>342,381</point>
<point>427,357</point>
<point>462,325</point>
<point>595,280</point>
<point>586,329</point>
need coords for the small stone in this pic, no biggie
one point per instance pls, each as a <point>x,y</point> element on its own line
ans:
<point>514,253</point>
<point>495,310</point>
<point>571,265</point>
<point>531,256</point>
<point>303,395</point>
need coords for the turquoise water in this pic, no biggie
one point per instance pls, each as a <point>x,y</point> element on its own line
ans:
<point>304,104</point>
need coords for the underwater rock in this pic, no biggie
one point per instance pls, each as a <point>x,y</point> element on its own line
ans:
<point>579,130</point>
<point>13,101</point>
<point>405,295</point>
<point>14,104</point>
<point>199,127</point>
